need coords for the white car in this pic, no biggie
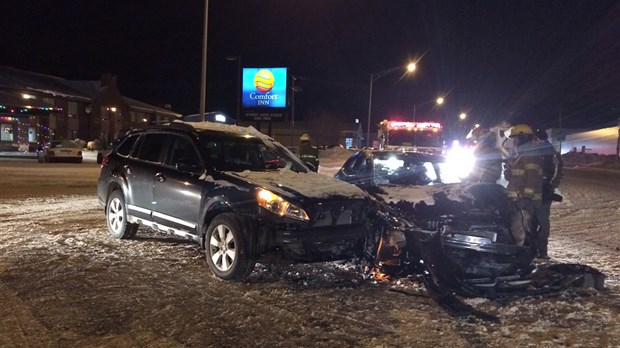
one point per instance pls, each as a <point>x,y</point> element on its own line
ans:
<point>60,151</point>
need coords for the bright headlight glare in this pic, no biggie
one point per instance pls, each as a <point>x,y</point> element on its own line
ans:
<point>277,205</point>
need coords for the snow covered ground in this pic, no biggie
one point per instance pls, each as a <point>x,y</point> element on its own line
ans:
<point>64,282</point>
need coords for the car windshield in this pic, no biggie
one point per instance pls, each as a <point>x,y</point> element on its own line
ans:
<point>414,138</point>
<point>411,169</point>
<point>241,153</point>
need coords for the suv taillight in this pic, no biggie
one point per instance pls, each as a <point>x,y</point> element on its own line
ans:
<point>105,160</point>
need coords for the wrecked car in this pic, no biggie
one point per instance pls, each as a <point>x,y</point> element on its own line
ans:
<point>241,195</point>
<point>454,234</point>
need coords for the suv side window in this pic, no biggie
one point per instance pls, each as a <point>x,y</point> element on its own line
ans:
<point>124,149</point>
<point>152,147</point>
<point>182,155</point>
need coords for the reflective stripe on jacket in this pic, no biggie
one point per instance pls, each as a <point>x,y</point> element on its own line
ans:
<point>527,176</point>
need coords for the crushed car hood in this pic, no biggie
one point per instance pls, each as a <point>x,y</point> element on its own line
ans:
<point>415,194</point>
<point>310,185</point>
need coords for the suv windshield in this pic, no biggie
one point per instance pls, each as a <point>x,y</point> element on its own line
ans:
<point>240,153</point>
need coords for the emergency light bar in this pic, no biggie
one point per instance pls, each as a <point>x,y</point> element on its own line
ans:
<point>434,126</point>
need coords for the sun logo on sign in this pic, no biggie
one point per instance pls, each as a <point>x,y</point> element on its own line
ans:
<point>263,81</point>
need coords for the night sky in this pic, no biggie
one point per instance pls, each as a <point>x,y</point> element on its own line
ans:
<point>520,61</point>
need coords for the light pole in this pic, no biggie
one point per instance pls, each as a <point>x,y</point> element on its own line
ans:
<point>374,77</point>
<point>238,60</point>
<point>203,72</point>
<point>463,117</point>
<point>293,90</point>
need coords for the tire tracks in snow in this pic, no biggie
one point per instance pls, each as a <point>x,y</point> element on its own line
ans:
<point>36,209</point>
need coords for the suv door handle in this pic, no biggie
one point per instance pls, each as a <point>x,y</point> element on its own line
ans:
<point>160,177</point>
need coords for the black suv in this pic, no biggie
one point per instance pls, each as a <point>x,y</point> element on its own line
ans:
<point>243,196</point>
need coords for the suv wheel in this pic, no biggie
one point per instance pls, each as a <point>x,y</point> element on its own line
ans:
<point>227,248</point>
<point>116,217</point>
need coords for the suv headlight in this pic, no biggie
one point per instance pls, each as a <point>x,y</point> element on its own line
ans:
<point>278,205</point>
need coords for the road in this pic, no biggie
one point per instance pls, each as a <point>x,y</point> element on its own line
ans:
<point>64,282</point>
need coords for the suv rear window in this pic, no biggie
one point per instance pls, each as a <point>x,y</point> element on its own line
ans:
<point>124,149</point>
<point>152,146</point>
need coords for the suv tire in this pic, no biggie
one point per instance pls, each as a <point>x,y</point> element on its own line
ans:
<point>227,247</point>
<point>116,217</point>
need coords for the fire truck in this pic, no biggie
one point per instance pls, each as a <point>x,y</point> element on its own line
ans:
<point>411,136</point>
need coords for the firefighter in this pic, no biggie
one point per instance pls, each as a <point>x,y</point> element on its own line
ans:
<point>552,174</point>
<point>524,175</point>
<point>307,152</point>
<point>488,158</point>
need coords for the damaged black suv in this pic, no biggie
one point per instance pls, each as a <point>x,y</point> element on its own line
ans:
<point>241,195</point>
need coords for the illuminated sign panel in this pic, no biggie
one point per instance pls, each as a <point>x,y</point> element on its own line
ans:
<point>434,126</point>
<point>264,88</point>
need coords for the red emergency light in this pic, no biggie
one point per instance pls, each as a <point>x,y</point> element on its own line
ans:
<point>433,126</point>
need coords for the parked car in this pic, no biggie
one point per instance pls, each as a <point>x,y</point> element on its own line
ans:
<point>461,231</point>
<point>241,195</point>
<point>60,151</point>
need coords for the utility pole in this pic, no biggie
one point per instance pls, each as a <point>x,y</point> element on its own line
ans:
<point>561,132</point>
<point>618,143</point>
<point>293,78</point>
<point>203,75</point>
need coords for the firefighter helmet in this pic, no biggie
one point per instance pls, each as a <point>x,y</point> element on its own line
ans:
<point>304,137</point>
<point>520,129</point>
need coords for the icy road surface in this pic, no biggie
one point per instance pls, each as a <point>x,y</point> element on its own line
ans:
<point>64,282</point>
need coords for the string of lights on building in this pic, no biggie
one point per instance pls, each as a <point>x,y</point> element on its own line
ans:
<point>24,126</point>
<point>26,109</point>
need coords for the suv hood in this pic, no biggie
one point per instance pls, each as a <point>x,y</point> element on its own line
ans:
<point>299,185</point>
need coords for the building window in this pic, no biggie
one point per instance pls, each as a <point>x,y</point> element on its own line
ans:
<point>348,143</point>
<point>32,135</point>
<point>50,101</point>
<point>72,109</point>
<point>6,132</point>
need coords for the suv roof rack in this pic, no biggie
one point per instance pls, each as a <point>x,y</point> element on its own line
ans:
<point>173,125</point>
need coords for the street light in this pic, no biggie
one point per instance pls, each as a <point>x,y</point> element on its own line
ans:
<point>238,60</point>
<point>438,101</point>
<point>374,77</point>
<point>462,116</point>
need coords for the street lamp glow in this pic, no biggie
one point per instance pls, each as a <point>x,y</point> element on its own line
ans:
<point>440,100</point>
<point>220,118</point>
<point>374,77</point>
<point>463,116</point>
